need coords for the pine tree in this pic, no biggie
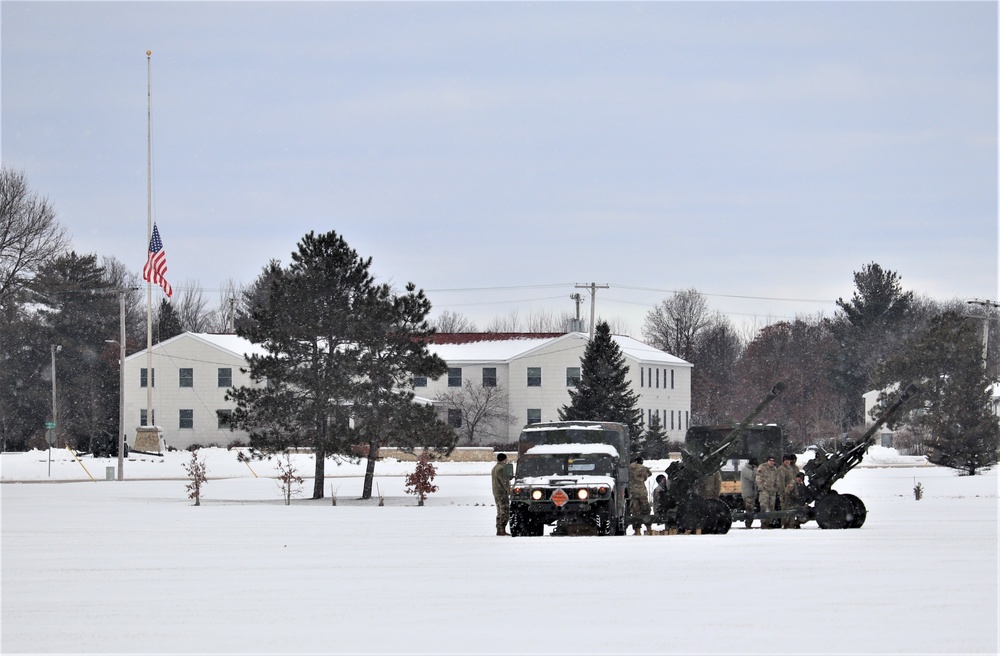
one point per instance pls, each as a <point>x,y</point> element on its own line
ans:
<point>654,440</point>
<point>168,322</point>
<point>946,361</point>
<point>603,392</point>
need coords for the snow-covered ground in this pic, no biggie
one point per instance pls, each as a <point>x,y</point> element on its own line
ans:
<point>133,566</point>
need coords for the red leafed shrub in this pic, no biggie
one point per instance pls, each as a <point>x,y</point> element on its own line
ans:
<point>420,482</point>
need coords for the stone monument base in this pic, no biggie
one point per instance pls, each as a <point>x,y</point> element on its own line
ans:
<point>148,439</point>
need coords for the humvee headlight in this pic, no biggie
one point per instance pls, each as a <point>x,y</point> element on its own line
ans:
<point>517,489</point>
<point>536,495</point>
<point>582,494</point>
<point>602,489</point>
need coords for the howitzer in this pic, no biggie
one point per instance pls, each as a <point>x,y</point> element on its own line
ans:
<point>833,510</point>
<point>680,506</point>
<point>829,508</point>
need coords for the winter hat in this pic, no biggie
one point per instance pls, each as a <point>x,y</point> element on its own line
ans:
<point>501,457</point>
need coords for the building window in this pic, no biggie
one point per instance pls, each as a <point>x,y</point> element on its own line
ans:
<point>186,377</point>
<point>657,379</point>
<point>642,377</point>
<point>534,415</point>
<point>142,377</point>
<point>225,418</point>
<point>687,418</point>
<point>454,376</point>
<point>185,419</point>
<point>534,376</point>
<point>672,419</point>
<point>454,418</point>
<point>572,376</point>
<point>420,381</point>
<point>142,418</point>
<point>225,377</point>
<point>489,376</point>
<point>671,379</point>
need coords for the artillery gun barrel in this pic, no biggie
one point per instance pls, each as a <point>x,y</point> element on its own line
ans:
<point>742,426</point>
<point>827,468</point>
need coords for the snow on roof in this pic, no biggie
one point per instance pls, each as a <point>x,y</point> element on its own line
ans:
<point>489,347</point>
<point>232,343</point>
<point>563,426</point>
<point>543,449</point>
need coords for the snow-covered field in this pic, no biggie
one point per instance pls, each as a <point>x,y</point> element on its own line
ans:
<point>133,566</point>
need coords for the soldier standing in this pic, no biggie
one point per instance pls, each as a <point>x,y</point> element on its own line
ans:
<point>660,495</point>
<point>798,496</point>
<point>638,495</point>
<point>501,476</point>
<point>786,476</point>
<point>767,488</point>
<point>748,489</point>
<point>709,486</point>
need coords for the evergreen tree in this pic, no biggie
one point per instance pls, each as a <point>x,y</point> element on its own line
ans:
<point>868,331</point>
<point>654,440</point>
<point>80,312</point>
<point>340,352</point>
<point>305,318</point>
<point>168,322</point>
<point>392,348</point>
<point>946,361</point>
<point>603,393</point>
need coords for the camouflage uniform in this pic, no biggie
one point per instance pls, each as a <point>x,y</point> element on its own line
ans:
<point>709,486</point>
<point>767,488</point>
<point>786,476</point>
<point>748,490</point>
<point>638,495</point>
<point>501,476</point>
<point>798,496</point>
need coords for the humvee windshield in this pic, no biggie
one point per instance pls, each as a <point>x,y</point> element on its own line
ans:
<point>560,464</point>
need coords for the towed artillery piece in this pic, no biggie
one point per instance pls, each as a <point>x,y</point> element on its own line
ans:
<point>828,507</point>
<point>680,506</point>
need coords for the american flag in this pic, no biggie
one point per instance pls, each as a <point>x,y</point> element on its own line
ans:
<point>156,264</point>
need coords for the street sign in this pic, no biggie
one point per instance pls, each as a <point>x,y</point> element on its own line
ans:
<point>50,424</point>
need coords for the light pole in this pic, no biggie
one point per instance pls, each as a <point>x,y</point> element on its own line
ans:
<point>121,386</point>
<point>54,348</point>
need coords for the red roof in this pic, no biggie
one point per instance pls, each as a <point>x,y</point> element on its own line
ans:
<point>469,338</point>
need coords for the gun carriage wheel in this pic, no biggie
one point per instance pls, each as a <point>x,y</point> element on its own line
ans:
<point>858,511</point>
<point>834,511</point>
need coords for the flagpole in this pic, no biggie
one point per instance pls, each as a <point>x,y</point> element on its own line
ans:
<point>149,236</point>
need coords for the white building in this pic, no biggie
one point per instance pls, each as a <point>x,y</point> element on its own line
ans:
<point>191,373</point>
<point>537,372</point>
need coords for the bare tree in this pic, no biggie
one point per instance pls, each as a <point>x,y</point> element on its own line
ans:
<point>453,322</point>
<point>224,317</point>
<point>674,324</point>
<point>508,324</point>
<point>483,411</point>
<point>192,307</point>
<point>29,234</point>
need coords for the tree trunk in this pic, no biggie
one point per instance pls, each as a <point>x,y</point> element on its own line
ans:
<point>320,453</point>
<point>370,469</point>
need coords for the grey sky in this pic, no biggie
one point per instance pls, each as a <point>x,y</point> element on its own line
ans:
<point>744,149</point>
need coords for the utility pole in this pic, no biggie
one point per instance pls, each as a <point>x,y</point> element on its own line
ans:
<point>988,305</point>
<point>593,287</point>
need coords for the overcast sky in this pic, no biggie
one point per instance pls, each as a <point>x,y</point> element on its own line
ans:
<point>764,150</point>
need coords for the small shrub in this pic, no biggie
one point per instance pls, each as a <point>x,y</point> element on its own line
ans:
<point>288,479</point>
<point>420,482</point>
<point>235,444</point>
<point>197,472</point>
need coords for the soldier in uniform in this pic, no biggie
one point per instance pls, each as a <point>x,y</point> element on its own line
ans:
<point>660,495</point>
<point>797,497</point>
<point>767,488</point>
<point>501,476</point>
<point>786,476</point>
<point>748,489</point>
<point>638,496</point>
<point>709,486</point>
